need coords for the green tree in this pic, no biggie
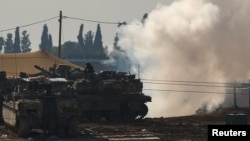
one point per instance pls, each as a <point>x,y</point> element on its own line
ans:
<point>99,51</point>
<point>44,39</point>
<point>50,43</point>
<point>80,38</point>
<point>25,42</point>
<point>89,39</point>
<point>98,38</point>
<point>17,48</point>
<point>1,43</point>
<point>89,44</point>
<point>9,46</point>
<point>71,50</point>
<point>81,43</point>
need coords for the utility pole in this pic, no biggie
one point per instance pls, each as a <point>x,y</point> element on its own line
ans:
<point>60,33</point>
<point>249,93</point>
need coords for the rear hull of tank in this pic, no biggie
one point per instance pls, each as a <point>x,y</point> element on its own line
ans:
<point>19,123</point>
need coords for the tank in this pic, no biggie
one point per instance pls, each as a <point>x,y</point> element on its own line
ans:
<point>21,114</point>
<point>112,96</point>
<point>60,108</point>
<point>108,95</point>
<point>41,103</point>
<point>6,86</point>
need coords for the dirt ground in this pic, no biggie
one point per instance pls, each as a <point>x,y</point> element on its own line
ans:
<point>185,128</point>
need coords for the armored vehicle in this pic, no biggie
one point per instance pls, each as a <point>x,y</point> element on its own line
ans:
<point>6,86</point>
<point>110,95</point>
<point>19,113</point>
<point>41,103</point>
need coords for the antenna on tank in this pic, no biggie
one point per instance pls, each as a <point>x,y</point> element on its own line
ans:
<point>139,71</point>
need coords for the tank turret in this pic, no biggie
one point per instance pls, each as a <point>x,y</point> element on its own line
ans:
<point>61,70</point>
<point>49,73</point>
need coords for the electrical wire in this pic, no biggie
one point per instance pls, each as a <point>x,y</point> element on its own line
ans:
<point>185,84</point>
<point>188,81</point>
<point>94,21</point>
<point>191,83</point>
<point>184,91</point>
<point>29,24</point>
<point>74,18</point>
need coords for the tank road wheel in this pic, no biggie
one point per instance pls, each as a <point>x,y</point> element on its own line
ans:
<point>114,116</point>
<point>61,130</point>
<point>22,127</point>
<point>94,116</point>
<point>127,115</point>
<point>143,111</point>
<point>67,128</point>
<point>7,127</point>
<point>73,129</point>
<point>83,117</point>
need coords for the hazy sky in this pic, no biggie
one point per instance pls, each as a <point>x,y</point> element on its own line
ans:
<point>15,13</point>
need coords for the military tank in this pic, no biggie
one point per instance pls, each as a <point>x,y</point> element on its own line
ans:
<point>109,95</point>
<point>112,96</point>
<point>41,103</point>
<point>6,86</point>
<point>19,113</point>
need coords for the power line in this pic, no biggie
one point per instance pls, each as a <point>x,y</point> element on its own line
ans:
<point>176,81</point>
<point>190,83</point>
<point>30,24</point>
<point>74,18</point>
<point>187,91</point>
<point>93,21</point>
<point>185,84</point>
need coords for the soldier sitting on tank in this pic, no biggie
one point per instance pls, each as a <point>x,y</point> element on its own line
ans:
<point>89,69</point>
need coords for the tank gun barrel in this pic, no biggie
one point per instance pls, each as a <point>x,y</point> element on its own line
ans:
<point>46,72</point>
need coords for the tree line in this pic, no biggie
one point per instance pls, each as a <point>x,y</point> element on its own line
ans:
<point>87,46</point>
<point>19,45</point>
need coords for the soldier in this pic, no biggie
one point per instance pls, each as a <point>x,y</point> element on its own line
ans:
<point>89,68</point>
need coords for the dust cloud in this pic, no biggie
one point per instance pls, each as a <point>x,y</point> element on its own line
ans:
<point>189,41</point>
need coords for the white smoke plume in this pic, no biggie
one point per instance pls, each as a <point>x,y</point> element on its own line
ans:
<point>189,40</point>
